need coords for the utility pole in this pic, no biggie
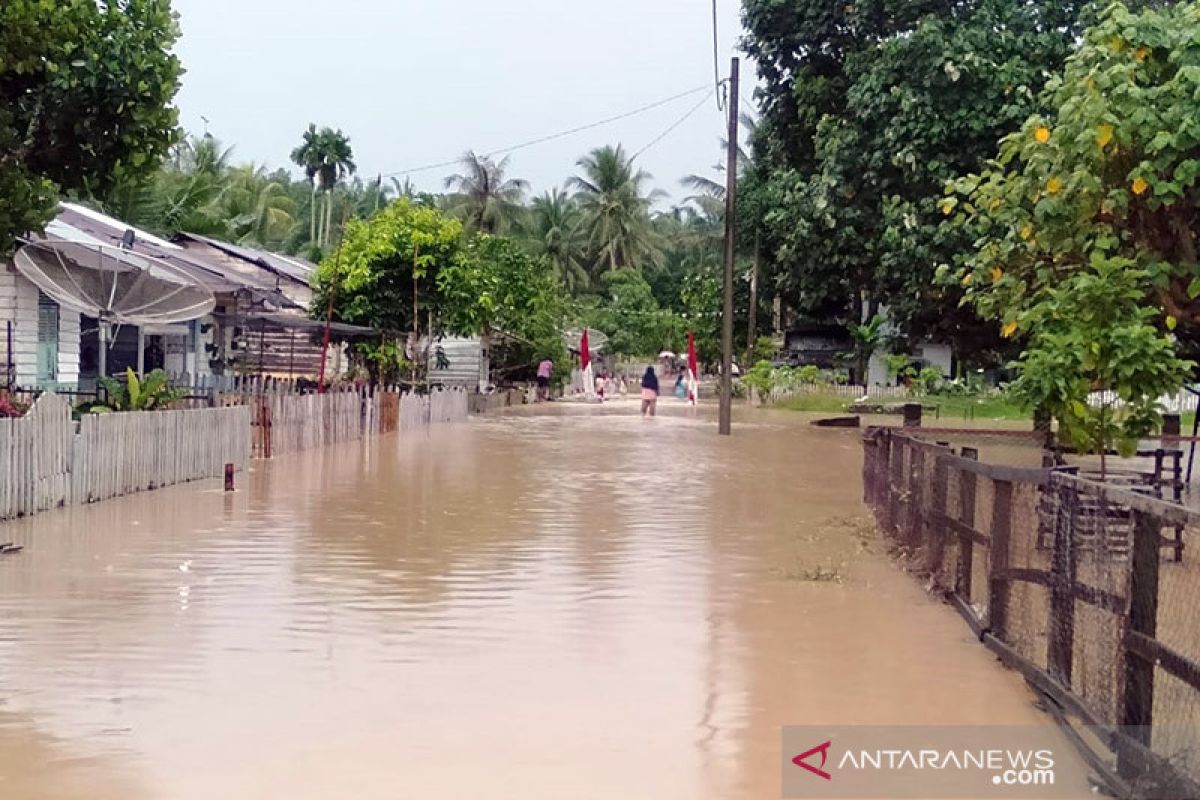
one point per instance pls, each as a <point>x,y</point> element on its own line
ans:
<point>725,416</point>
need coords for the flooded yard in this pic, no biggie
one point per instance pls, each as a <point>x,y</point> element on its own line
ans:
<point>576,603</point>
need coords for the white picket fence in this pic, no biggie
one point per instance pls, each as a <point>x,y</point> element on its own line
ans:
<point>1180,403</point>
<point>117,454</point>
<point>848,391</point>
<point>35,458</point>
<point>46,463</point>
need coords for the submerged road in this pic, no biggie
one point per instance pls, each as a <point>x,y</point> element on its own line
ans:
<point>576,603</point>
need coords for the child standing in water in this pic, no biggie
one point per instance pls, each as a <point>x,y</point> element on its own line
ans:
<point>649,392</point>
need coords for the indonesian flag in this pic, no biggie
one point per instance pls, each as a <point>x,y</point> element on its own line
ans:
<point>585,365</point>
<point>693,385</point>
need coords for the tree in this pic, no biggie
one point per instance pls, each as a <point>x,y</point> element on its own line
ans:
<point>631,318</point>
<point>1093,333</point>
<point>494,287</point>
<point>85,93</point>
<point>483,197</point>
<point>386,276</point>
<point>616,212</point>
<point>551,227</point>
<point>307,156</point>
<point>1110,170</point>
<point>326,157</point>
<point>868,108</point>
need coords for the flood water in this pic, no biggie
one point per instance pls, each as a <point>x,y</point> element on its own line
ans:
<point>568,604</point>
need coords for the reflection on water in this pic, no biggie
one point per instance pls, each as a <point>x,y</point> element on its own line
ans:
<point>579,603</point>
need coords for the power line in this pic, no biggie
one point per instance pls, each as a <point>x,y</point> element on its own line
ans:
<point>716,60</point>
<point>559,135</point>
<point>674,125</point>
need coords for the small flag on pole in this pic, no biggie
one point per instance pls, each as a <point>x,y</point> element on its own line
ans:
<point>693,371</point>
<point>585,365</point>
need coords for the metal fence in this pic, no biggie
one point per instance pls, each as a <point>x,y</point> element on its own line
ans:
<point>1070,581</point>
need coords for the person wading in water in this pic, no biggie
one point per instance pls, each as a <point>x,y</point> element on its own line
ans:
<point>649,392</point>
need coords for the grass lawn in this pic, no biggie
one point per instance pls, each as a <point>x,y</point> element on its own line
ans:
<point>948,407</point>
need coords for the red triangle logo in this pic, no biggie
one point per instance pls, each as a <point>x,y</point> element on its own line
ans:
<point>820,772</point>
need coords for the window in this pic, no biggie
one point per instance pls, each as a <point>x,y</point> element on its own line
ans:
<point>47,341</point>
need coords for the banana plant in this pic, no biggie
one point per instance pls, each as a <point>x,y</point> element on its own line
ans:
<point>134,394</point>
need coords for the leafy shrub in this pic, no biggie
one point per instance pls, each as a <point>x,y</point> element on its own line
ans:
<point>152,392</point>
<point>761,379</point>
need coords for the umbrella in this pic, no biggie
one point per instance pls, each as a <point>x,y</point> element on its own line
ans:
<point>666,354</point>
<point>693,371</point>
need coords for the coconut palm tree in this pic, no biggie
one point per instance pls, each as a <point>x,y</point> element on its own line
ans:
<point>616,211</point>
<point>258,208</point>
<point>552,228</point>
<point>482,196</point>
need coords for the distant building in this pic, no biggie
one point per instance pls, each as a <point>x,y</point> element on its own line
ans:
<point>822,345</point>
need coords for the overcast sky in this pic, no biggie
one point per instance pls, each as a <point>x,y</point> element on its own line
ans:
<point>416,82</point>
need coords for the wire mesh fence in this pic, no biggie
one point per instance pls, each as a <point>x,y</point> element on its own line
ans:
<point>1091,590</point>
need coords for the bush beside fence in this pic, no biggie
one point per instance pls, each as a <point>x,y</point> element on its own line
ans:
<point>1064,579</point>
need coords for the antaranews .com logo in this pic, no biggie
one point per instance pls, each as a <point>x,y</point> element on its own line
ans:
<point>927,762</point>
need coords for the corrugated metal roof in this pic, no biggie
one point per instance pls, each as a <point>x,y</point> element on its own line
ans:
<point>293,268</point>
<point>110,231</point>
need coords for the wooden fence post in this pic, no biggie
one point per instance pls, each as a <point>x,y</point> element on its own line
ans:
<point>912,415</point>
<point>1060,645</point>
<point>1137,712</point>
<point>915,492</point>
<point>966,514</point>
<point>935,524</point>
<point>998,582</point>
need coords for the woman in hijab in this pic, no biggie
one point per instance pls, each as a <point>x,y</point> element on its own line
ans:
<point>649,392</point>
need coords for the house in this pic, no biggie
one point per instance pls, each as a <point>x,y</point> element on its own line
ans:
<point>258,324</point>
<point>822,345</point>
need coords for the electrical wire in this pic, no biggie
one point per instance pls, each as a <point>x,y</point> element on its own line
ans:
<point>674,125</point>
<point>559,135</point>
<point>717,60</point>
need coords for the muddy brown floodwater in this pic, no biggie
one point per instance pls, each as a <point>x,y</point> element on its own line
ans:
<point>573,604</point>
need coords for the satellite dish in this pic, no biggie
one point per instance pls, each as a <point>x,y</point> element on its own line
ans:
<point>597,340</point>
<point>114,285</point>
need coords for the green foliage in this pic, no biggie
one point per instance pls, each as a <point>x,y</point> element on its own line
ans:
<point>612,198</point>
<point>383,261</point>
<point>494,285</point>
<point>148,394</point>
<point>85,94</point>
<point>868,108</point>
<point>631,318</point>
<point>483,196</point>
<point>762,379</point>
<point>930,380</point>
<point>899,365</point>
<point>764,349</point>
<point>811,373</point>
<point>385,361</point>
<point>1110,170</point>
<point>1093,333</point>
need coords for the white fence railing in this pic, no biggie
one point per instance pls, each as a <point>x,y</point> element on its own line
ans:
<point>849,391</point>
<point>46,463</point>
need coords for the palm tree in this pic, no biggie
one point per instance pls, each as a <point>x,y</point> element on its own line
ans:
<point>552,227</point>
<point>326,158</point>
<point>616,212</point>
<point>483,197</point>
<point>308,157</point>
<point>257,207</point>
<point>337,161</point>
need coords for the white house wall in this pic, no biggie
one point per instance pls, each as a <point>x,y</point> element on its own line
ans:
<point>19,304</point>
